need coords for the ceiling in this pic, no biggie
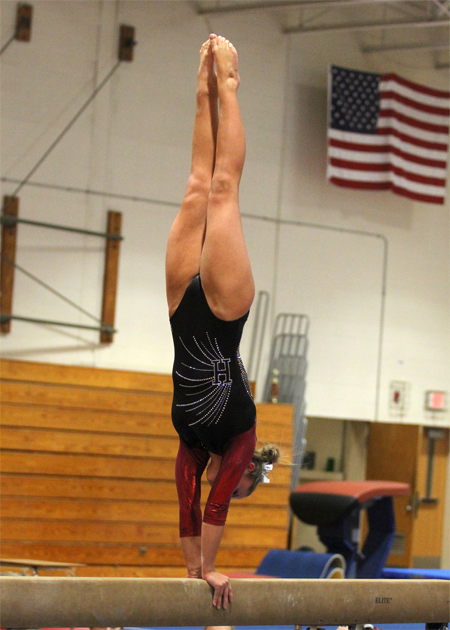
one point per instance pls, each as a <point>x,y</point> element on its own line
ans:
<point>405,26</point>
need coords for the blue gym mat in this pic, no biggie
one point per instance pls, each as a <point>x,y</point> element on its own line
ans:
<point>417,574</point>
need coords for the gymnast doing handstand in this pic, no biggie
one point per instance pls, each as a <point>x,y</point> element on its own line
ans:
<point>210,289</point>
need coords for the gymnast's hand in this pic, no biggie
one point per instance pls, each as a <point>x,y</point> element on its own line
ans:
<point>223,592</point>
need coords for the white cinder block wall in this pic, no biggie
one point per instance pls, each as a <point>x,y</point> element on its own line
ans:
<point>317,249</point>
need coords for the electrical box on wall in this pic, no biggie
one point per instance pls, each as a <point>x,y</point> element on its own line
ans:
<point>398,396</point>
<point>435,401</point>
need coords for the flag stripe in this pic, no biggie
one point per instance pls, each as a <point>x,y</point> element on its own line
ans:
<point>412,122</point>
<point>338,181</point>
<point>417,196</point>
<point>393,136</point>
<point>357,166</point>
<point>418,97</point>
<point>415,87</point>
<point>362,185</point>
<point>387,148</point>
<point>419,142</point>
<point>386,176</point>
<point>417,114</point>
<point>390,156</point>
<point>386,167</point>
<point>410,103</point>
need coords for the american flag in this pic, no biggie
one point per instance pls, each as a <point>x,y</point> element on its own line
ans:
<point>386,132</point>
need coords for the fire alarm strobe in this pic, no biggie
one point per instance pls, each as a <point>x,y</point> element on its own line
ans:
<point>435,401</point>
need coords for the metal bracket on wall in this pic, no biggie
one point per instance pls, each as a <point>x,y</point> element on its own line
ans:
<point>9,239</point>
<point>9,220</point>
<point>111,274</point>
<point>433,434</point>
<point>23,22</point>
<point>126,42</point>
<point>22,31</point>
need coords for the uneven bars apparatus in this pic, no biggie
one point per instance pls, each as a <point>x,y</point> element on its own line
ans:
<point>28,602</point>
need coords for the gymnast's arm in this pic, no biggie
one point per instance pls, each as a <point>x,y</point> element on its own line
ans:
<point>190,464</point>
<point>236,458</point>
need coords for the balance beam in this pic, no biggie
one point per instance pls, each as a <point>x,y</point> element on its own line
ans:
<point>28,602</point>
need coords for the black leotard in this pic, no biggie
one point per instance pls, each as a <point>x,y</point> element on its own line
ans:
<point>212,402</point>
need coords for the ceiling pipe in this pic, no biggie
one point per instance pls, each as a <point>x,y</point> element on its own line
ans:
<point>374,49</point>
<point>285,4</point>
<point>366,27</point>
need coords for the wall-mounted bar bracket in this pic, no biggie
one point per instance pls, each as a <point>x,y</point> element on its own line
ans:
<point>23,22</point>
<point>126,43</point>
<point>9,221</point>
<point>111,274</point>
<point>50,322</point>
<point>9,240</point>
<point>12,221</point>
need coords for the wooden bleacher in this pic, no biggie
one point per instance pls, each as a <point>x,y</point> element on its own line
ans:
<point>87,474</point>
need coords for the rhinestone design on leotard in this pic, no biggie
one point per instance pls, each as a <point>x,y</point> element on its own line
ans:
<point>244,374</point>
<point>211,391</point>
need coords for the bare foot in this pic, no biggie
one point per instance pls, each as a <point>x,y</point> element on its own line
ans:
<point>226,58</point>
<point>207,78</point>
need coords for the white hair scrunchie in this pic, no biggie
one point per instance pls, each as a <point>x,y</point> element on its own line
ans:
<point>265,470</point>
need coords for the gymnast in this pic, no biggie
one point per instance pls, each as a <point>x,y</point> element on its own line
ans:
<point>210,289</point>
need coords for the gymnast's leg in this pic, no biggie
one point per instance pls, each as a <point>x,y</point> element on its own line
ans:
<point>186,236</point>
<point>224,265</point>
